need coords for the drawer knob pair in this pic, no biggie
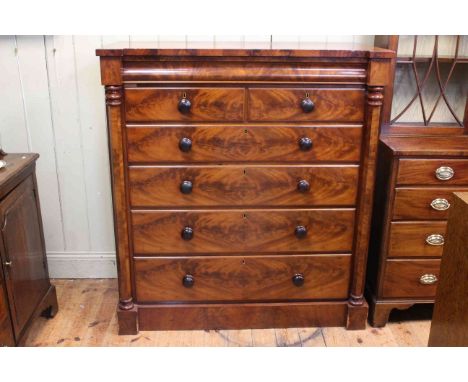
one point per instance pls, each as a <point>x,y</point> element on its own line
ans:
<point>435,239</point>
<point>440,204</point>
<point>184,104</point>
<point>428,279</point>
<point>444,173</point>
<point>188,280</point>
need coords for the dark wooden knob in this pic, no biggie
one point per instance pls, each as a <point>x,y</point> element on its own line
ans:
<point>186,187</point>
<point>298,279</point>
<point>187,233</point>
<point>188,281</point>
<point>303,185</point>
<point>307,105</point>
<point>300,231</point>
<point>185,144</point>
<point>305,143</point>
<point>184,105</point>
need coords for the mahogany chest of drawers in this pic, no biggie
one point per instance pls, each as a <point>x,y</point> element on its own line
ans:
<point>416,179</point>
<point>242,184</point>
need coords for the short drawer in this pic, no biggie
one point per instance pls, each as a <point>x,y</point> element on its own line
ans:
<point>433,171</point>
<point>416,239</point>
<point>242,278</point>
<point>411,278</point>
<point>423,203</point>
<point>190,104</point>
<point>243,143</point>
<point>321,104</point>
<point>243,185</point>
<point>206,231</point>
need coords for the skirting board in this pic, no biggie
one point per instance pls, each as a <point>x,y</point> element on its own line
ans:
<point>82,265</point>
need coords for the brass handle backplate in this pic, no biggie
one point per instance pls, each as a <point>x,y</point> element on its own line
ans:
<point>435,239</point>
<point>428,279</point>
<point>444,173</point>
<point>440,204</point>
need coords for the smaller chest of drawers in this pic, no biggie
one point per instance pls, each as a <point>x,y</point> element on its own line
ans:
<point>416,179</point>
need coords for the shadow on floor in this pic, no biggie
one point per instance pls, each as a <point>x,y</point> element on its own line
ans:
<point>415,313</point>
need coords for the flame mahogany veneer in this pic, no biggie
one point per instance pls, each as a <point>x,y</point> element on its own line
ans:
<point>242,184</point>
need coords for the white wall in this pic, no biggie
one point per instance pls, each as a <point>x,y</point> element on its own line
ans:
<point>52,103</point>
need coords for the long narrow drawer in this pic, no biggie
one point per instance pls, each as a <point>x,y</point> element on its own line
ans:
<point>411,278</point>
<point>184,104</point>
<point>433,171</point>
<point>239,143</point>
<point>315,104</point>
<point>423,203</point>
<point>420,239</point>
<point>248,185</point>
<point>239,278</point>
<point>163,232</point>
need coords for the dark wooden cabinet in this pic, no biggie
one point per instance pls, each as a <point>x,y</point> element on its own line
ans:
<point>26,290</point>
<point>422,161</point>
<point>242,184</point>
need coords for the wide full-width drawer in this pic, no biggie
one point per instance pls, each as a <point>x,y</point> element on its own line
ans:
<point>416,239</point>
<point>433,171</point>
<point>242,278</point>
<point>243,143</point>
<point>411,278</point>
<point>187,104</point>
<point>318,104</point>
<point>248,185</point>
<point>423,203</point>
<point>205,231</point>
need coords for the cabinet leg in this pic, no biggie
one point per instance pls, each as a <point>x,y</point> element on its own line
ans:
<point>380,312</point>
<point>50,304</point>
<point>128,321</point>
<point>357,316</point>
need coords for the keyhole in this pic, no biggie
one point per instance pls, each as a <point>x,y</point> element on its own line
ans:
<point>244,216</point>
<point>246,131</point>
<point>245,172</point>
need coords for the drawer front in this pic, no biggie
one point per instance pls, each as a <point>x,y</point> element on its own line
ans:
<point>161,232</point>
<point>243,185</point>
<point>238,143</point>
<point>416,203</point>
<point>239,278</point>
<point>421,239</point>
<point>433,171</point>
<point>163,104</point>
<point>340,105</point>
<point>411,278</point>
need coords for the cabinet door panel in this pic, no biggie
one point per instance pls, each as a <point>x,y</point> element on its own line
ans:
<point>23,251</point>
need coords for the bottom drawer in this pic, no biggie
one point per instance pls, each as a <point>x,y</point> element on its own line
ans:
<point>411,278</point>
<point>241,278</point>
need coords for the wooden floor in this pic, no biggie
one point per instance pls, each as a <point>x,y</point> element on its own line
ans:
<point>87,318</point>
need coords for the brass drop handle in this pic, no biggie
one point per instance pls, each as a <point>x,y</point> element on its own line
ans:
<point>307,104</point>
<point>298,279</point>
<point>184,104</point>
<point>188,281</point>
<point>440,204</point>
<point>435,239</point>
<point>444,173</point>
<point>428,279</point>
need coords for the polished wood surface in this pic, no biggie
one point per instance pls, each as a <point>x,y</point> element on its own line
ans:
<point>337,105</point>
<point>25,288</point>
<point>423,171</point>
<point>157,232</point>
<point>242,112</point>
<point>449,323</point>
<point>402,278</point>
<point>278,143</point>
<point>242,278</point>
<point>235,185</point>
<point>207,104</point>
<point>450,146</point>
<point>88,318</point>
<point>408,239</point>
<point>415,203</point>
